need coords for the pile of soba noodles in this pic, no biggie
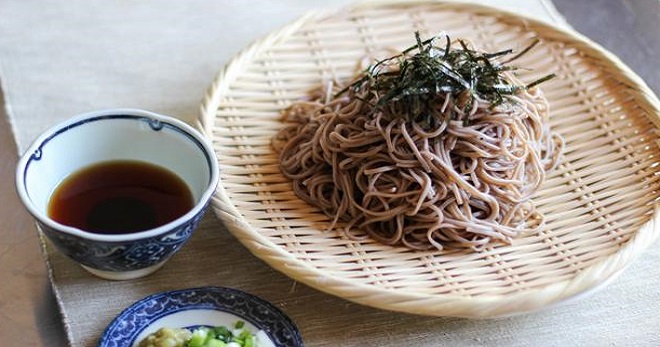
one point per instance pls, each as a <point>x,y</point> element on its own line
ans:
<point>439,146</point>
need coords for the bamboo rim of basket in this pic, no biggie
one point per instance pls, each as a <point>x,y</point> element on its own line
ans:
<point>482,306</point>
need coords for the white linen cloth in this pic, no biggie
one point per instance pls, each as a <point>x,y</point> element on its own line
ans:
<point>61,58</point>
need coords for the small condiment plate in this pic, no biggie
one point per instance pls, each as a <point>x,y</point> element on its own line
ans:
<point>207,306</point>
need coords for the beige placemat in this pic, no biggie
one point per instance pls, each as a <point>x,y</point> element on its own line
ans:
<point>65,57</point>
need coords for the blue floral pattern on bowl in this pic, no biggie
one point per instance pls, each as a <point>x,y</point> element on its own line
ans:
<point>123,256</point>
<point>127,327</point>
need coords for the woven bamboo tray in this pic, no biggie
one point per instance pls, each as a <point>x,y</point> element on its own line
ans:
<point>600,204</point>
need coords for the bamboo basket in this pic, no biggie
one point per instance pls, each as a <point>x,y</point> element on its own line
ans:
<point>600,204</point>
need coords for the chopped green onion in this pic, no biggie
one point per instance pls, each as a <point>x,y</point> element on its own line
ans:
<point>223,336</point>
<point>198,338</point>
<point>215,343</point>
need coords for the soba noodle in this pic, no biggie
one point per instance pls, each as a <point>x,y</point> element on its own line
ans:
<point>465,181</point>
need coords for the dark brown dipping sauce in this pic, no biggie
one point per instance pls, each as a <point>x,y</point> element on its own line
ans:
<point>120,197</point>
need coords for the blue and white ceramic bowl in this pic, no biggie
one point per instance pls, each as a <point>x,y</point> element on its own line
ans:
<point>117,134</point>
<point>208,306</point>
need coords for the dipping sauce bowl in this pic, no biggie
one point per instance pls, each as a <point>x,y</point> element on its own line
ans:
<point>110,136</point>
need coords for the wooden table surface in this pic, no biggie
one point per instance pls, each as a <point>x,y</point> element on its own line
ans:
<point>28,311</point>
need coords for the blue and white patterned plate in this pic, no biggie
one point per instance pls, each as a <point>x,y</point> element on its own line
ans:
<point>210,306</point>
